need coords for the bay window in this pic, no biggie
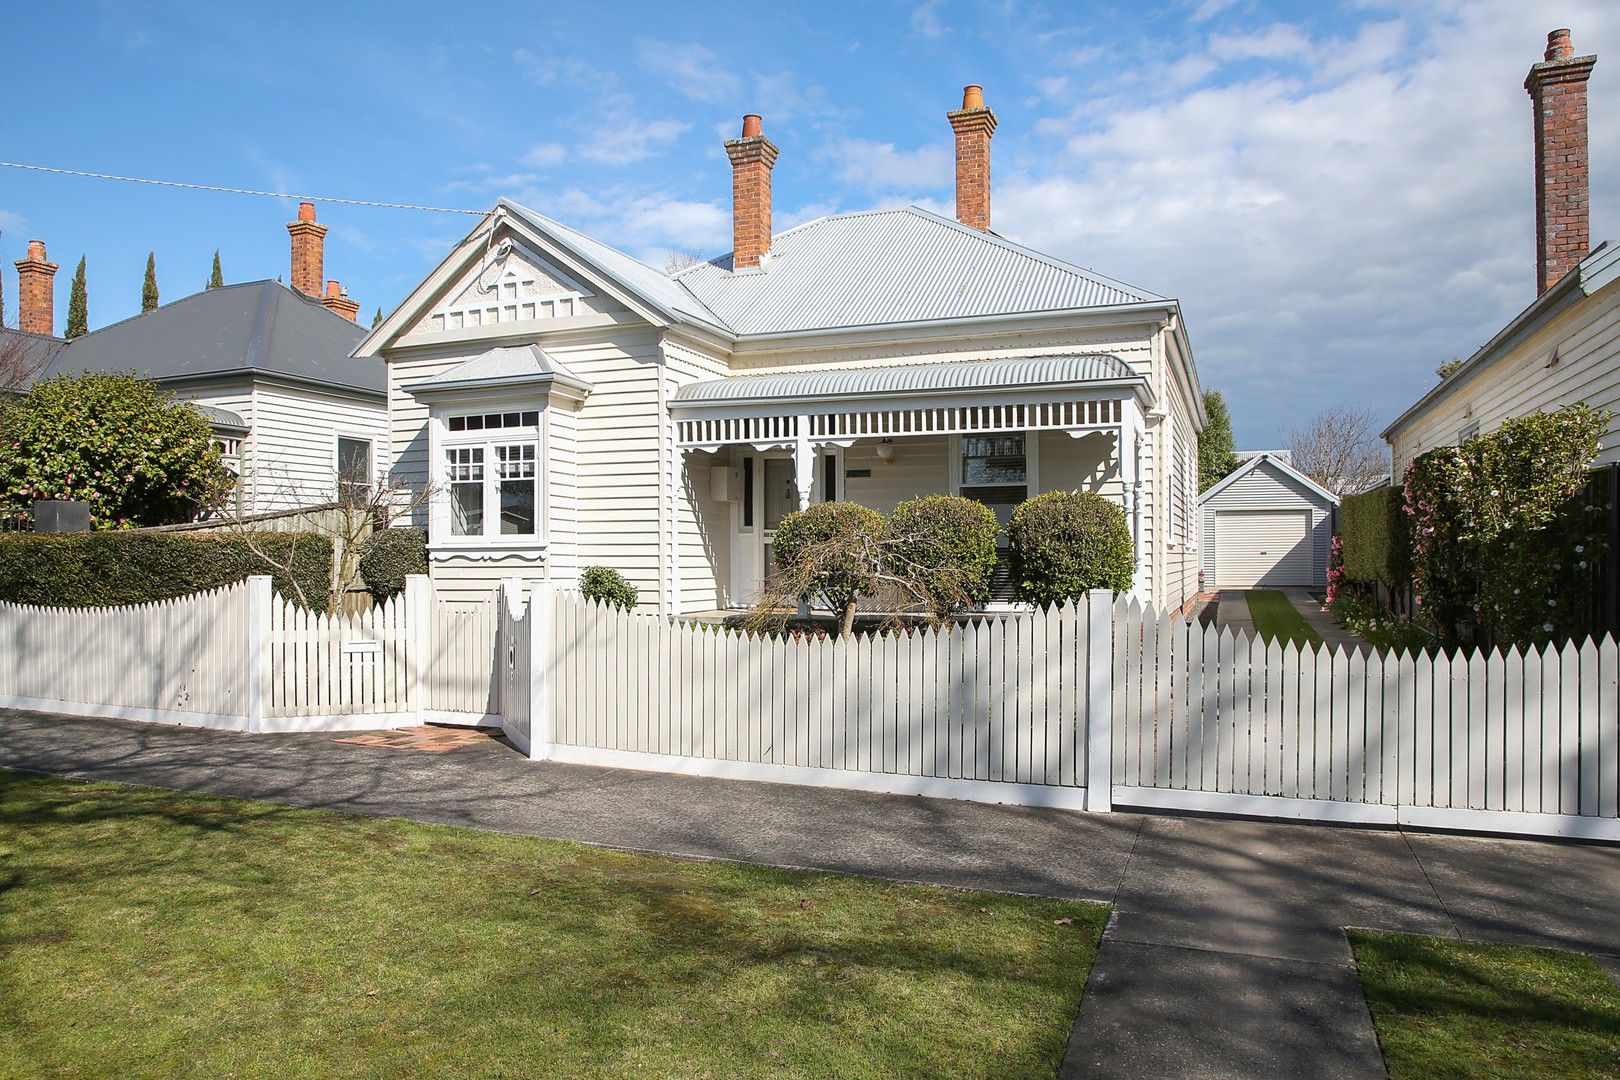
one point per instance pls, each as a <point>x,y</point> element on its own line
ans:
<point>490,464</point>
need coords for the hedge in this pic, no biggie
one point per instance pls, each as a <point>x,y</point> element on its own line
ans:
<point>605,585</point>
<point>948,544</point>
<point>1376,545</point>
<point>108,569</point>
<point>391,554</point>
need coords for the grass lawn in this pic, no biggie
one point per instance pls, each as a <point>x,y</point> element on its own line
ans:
<point>147,933</point>
<point>1275,618</point>
<point>1453,1009</point>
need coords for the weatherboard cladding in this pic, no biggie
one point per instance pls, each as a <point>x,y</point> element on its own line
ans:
<point>1025,372</point>
<point>258,326</point>
<point>871,268</point>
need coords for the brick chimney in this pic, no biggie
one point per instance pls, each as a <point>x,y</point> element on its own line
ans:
<point>308,251</point>
<point>973,123</point>
<point>36,291</point>
<point>1557,88</point>
<point>752,158</point>
<point>337,300</point>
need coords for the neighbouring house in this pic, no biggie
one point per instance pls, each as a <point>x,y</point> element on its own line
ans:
<point>294,413</point>
<point>1565,347</point>
<point>1266,525</point>
<point>570,405</point>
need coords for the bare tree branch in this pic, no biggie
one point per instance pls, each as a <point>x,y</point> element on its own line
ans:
<point>1340,451</point>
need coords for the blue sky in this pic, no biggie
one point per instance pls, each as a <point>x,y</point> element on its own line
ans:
<point>1339,195</point>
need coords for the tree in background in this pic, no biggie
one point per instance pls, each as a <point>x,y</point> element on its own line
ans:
<point>216,279</point>
<point>376,320</point>
<point>149,292</point>
<point>78,319</point>
<point>112,441</point>
<point>1340,451</point>
<point>1215,456</point>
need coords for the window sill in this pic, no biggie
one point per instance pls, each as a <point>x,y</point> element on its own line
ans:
<point>488,548</point>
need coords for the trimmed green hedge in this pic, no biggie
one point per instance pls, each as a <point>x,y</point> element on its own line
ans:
<point>605,585</point>
<point>389,556</point>
<point>1064,543</point>
<point>108,569</point>
<point>1376,545</point>
<point>948,543</point>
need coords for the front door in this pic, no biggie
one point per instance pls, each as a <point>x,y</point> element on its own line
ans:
<point>769,494</point>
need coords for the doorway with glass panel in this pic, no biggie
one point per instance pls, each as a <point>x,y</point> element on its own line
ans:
<point>770,494</point>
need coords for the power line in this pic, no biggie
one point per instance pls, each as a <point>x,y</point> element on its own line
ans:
<point>238,191</point>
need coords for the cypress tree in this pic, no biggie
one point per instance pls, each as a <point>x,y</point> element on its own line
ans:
<point>149,292</point>
<point>216,279</point>
<point>78,317</point>
<point>1215,456</point>
<point>376,320</point>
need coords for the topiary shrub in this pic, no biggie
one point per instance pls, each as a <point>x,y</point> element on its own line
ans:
<point>1376,547</point>
<point>946,546</point>
<point>834,549</point>
<point>110,569</point>
<point>1065,543</point>
<point>604,585</point>
<point>390,555</point>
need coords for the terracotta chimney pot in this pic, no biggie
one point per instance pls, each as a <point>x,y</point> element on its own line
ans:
<point>752,158</point>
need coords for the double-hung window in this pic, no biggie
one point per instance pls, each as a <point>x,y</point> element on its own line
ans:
<point>492,475</point>
<point>995,470</point>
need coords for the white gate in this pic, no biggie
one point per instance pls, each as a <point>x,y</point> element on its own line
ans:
<point>513,659</point>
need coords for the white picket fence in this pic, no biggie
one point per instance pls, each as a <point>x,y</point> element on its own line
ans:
<point>461,669</point>
<point>1504,741</point>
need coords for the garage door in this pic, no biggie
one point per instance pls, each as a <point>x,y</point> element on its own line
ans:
<point>1265,548</point>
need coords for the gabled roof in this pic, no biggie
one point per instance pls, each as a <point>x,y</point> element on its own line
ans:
<point>1595,271</point>
<point>866,270</point>
<point>255,327</point>
<point>887,267</point>
<point>1265,460</point>
<point>34,353</point>
<point>507,365</point>
<point>958,376</point>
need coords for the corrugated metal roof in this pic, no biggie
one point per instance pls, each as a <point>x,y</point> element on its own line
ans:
<point>895,266</point>
<point>957,376</point>
<point>503,364</point>
<point>870,268</point>
<point>221,419</point>
<point>258,326</point>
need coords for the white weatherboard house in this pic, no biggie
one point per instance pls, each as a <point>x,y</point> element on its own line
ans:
<point>1565,346</point>
<point>572,406</point>
<point>1266,525</point>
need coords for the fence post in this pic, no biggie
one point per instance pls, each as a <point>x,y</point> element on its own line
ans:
<point>419,637</point>
<point>542,603</point>
<point>1100,700</point>
<point>259,595</point>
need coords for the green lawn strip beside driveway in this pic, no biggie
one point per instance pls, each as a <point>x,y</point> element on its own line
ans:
<point>1446,1008</point>
<point>145,932</point>
<point>1276,619</point>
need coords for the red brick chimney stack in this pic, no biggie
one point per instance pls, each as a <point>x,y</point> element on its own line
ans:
<point>308,251</point>
<point>337,300</point>
<point>752,158</point>
<point>973,123</point>
<point>1557,88</point>
<point>36,291</point>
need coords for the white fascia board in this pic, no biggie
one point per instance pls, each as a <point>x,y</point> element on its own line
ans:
<point>923,399</point>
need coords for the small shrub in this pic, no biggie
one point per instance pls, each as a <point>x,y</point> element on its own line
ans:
<point>605,585</point>
<point>946,544</point>
<point>109,569</point>
<point>389,556</point>
<point>1065,543</point>
<point>834,549</point>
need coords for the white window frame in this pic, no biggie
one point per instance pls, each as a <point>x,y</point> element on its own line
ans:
<point>441,440</point>
<point>1032,460</point>
<point>337,461</point>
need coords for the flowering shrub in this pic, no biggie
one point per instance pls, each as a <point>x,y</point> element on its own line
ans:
<point>1335,572</point>
<point>1495,542</point>
<point>115,443</point>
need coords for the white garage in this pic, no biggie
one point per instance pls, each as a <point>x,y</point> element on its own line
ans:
<point>1267,525</point>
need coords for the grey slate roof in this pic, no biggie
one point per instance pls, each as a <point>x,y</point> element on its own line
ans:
<point>34,351</point>
<point>870,268</point>
<point>258,326</point>
<point>1031,372</point>
<point>503,365</point>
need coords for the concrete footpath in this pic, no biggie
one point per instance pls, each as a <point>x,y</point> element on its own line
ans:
<point>1226,955</point>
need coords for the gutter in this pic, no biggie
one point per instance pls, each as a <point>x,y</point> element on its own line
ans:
<point>1137,383</point>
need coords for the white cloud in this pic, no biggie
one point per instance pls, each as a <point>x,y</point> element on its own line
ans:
<point>1276,42</point>
<point>1332,236</point>
<point>693,70</point>
<point>925,20</point>
<point>1208,9</point>
<point>624,140</point>
<point>545,155</point>
<point>647,224</point>
<point>10,222</point>
<point>878,166</point>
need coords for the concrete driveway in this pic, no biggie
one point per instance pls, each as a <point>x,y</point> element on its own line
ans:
<point>1226,956</point>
